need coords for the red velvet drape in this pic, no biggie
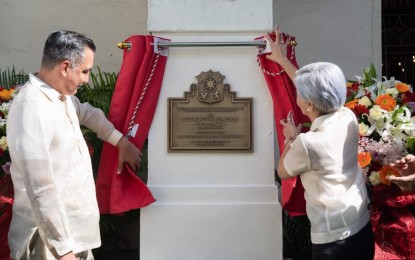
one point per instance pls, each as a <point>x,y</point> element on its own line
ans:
<point>393,223</point>
<point>6,205</point>
<point>135,97</point>
<point>284,97</point>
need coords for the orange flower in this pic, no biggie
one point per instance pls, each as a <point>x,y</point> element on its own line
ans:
<point>6,94</point>
<point>385,172</point>
<point>352,104</point>
<point>401,87</point>
<point>386,102</point>
<point>364,158</point>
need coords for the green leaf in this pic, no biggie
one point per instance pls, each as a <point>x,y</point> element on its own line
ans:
<point>99,92</point>
<point>372,71</point>
<point>411,144</point>
<point>10,78</point>
<point>396,112</point>
<point>307,125</point>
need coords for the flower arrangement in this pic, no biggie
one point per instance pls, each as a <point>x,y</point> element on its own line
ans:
<point>6,98</point>
<point>384,109</point>
<point>9,80</point>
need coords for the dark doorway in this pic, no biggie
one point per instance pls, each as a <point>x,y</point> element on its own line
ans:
<point>398,40</point>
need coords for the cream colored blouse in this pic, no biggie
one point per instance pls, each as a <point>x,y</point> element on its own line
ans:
<point>335,191</point>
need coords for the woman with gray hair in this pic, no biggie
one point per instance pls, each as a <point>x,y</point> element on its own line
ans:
<point>325,158</point>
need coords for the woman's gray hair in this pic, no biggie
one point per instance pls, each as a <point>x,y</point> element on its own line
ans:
<point>65,45</point>
<point>323,84</point>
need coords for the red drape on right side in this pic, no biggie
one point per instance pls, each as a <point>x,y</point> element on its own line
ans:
<point>284,98</point>
<point>393,223</point>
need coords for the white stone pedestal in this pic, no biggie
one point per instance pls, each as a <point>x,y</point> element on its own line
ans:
<point>212,205</point>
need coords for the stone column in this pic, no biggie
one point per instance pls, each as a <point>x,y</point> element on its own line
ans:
<point>212,205</point>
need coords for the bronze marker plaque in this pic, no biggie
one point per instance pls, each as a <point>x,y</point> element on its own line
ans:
<point>210,118</point>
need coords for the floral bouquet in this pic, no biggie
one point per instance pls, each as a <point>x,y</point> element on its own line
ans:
<point>6,186</point>
<point>384,110</point>
<point>6,97</point>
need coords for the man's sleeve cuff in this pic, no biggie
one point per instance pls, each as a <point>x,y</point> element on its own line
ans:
<point>115,137</point>
<point>62,248</point>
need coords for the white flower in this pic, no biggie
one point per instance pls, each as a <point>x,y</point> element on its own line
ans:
<point>363,129</point>
<point>376,112</point>
<point>396,131</point>
<point>374,178</point>
<point>5,105</point>
<point>383,86</point>
<point>3,143</point>
<point>365,101</point>
<point>392,91</point>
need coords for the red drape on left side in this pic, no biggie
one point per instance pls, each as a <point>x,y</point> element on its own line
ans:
<point>139,82</point>
<point>284,97</point>
<point>6,204</point>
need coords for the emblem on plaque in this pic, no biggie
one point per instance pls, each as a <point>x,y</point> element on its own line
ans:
<point>210,86</point>
<point>210,117</point>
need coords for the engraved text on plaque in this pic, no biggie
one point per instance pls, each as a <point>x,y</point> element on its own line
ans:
<point>210,117</point>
